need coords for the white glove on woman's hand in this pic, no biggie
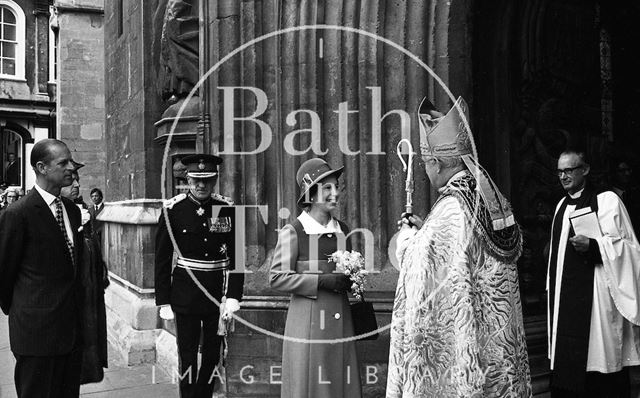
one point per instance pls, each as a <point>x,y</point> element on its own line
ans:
<point>166,312</point>
<point>230,306</point>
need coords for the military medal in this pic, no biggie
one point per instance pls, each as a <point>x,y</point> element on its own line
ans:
<point>200,211</point>
<point>219,224</point>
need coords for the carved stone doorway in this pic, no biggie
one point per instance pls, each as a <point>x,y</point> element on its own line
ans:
<point>548,74</point>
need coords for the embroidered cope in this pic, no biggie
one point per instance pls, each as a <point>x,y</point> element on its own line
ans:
<point>457,328</point>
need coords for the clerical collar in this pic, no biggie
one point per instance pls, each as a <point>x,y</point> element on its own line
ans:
<point>313,227</point>
<point>576,195</point>
<point>574,198</point>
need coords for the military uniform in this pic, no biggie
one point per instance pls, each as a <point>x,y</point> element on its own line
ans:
<point>205,247</point>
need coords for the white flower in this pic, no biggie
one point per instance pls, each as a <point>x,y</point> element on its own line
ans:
<point>351,264</point>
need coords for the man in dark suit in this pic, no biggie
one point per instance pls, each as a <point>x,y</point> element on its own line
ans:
<point>94,209</point>
<point>13,170</point>
<point>39,286</point>
<point>205,245</point>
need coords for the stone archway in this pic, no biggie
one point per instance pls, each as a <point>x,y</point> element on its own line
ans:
<point>538,89</point>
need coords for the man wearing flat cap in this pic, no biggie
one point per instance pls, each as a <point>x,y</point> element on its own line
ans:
<point>200,290</point>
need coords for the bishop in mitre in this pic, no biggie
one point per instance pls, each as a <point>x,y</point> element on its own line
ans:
<point>457,328</point>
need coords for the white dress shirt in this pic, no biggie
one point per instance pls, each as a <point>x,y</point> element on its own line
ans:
<point>49,200</point>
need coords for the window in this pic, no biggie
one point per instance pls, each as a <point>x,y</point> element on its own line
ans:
<point>8,41</point>
<point>12,40</point>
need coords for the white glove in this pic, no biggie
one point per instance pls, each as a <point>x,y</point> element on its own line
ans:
<point>225,322</point>
<point>166,312</point>
<point>229,307</point>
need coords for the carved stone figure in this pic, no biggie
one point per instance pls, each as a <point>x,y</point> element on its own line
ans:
<point>179,49</point>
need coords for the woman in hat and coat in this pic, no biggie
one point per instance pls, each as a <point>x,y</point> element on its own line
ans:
<point>317,362</point>
<point>94,280</point>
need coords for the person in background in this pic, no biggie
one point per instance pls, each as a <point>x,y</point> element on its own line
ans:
<point>11,196</point>
<point>94,280</point>
<point>621,178</point>
<point>622,184</point>
<point>96,200</point>
<point>13,170</point>
<point>3,197</point>
<point>593,289</point>
<point>96,207</point>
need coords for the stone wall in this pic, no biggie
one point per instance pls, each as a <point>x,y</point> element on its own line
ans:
<point>132,102</point>
<point>81,111</point>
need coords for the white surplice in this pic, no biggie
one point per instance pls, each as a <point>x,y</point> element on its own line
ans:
<point>614,338</point>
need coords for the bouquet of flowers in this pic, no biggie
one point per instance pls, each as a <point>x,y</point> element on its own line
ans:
<point>351,263</point>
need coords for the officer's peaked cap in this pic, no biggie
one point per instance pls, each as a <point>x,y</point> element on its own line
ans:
<point>201,165</point>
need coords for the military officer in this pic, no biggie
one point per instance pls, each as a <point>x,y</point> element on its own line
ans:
<point>204,247</point>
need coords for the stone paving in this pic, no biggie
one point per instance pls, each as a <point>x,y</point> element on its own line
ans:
<point>120,380</point>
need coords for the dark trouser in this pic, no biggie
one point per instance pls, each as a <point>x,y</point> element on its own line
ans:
<point>48,377</point>
<point>197,383</point>
<point>600,385</point>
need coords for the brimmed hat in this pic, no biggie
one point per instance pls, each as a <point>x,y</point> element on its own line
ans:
<point>201,165</point>
<point>76,165</point>
<point>311,173</point>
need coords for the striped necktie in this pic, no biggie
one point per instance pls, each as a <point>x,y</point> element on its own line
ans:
<point>60,220</point>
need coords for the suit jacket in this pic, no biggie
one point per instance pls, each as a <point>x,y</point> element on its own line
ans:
<point>39,285</point>
<point>92,209</point>
<point>13,173</point>
<point>96,226</point>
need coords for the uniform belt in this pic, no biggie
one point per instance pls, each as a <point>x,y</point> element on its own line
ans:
<point>202,265</point>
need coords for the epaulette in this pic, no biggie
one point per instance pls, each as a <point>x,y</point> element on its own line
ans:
<point>169,203</point>
<point>222,198</point>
